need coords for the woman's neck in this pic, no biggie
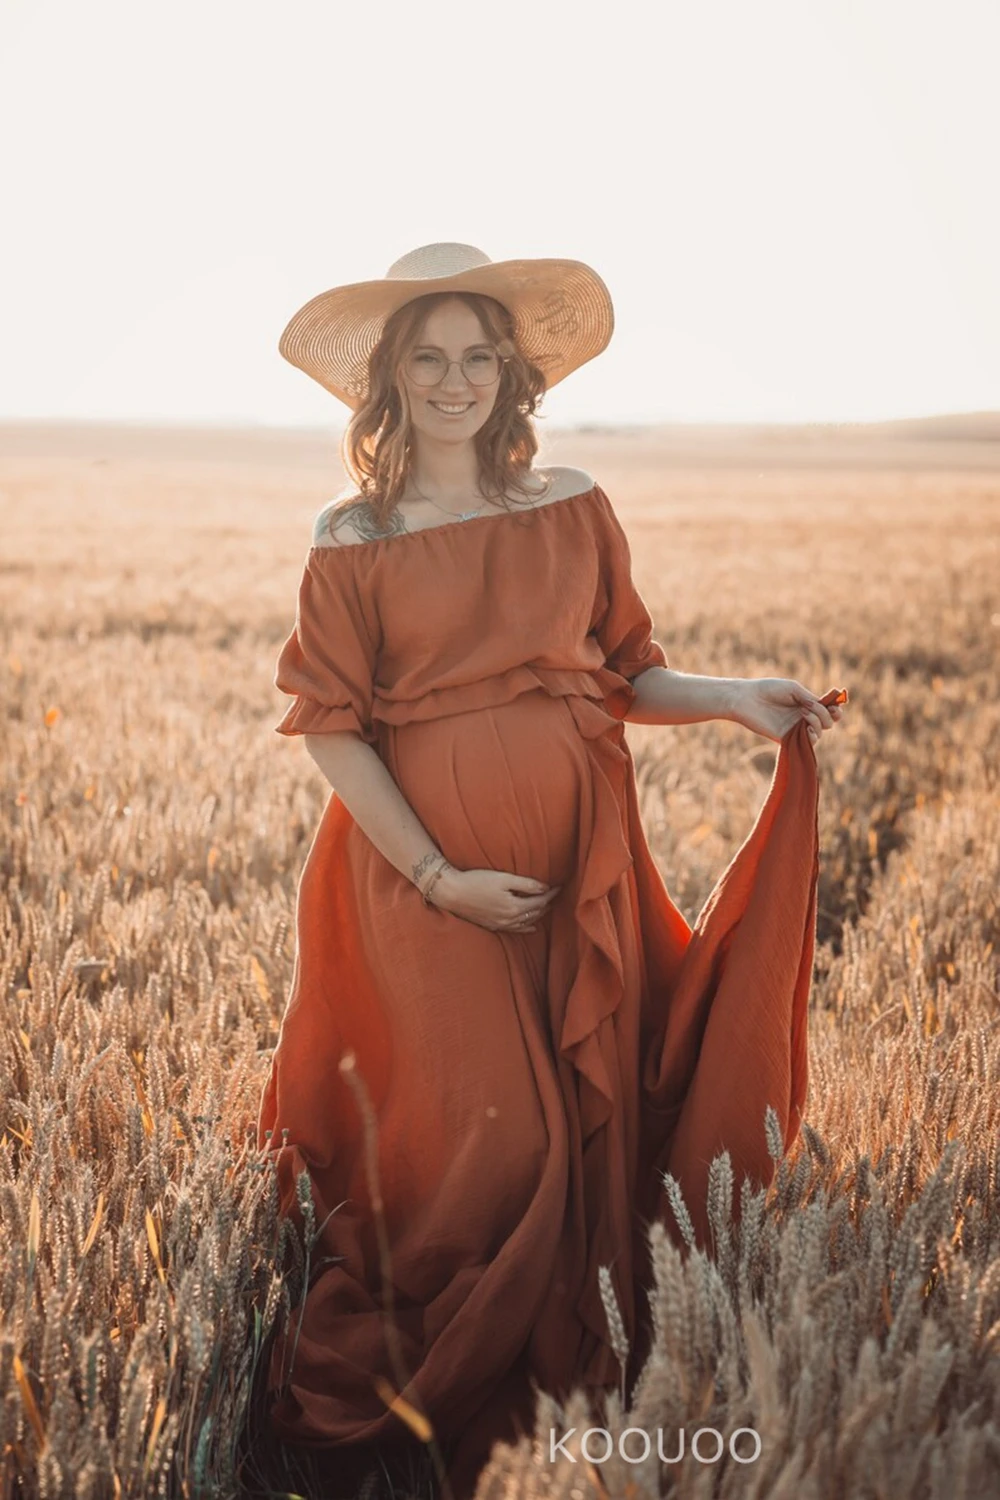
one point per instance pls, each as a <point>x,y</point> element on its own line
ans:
<point>446,473</point>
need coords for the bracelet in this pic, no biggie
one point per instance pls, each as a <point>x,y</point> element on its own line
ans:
<point>433,857</point>
<point>434,880</point>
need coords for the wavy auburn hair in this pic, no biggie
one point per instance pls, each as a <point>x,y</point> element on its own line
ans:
<point>377,446</point>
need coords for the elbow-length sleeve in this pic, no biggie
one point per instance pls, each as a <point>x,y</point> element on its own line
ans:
<point>328,662</point>
<point>622,624</point>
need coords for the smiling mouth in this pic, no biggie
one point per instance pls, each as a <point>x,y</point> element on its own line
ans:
<point>452,409</point>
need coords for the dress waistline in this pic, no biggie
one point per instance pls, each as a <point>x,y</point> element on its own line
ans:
<point>603,685</point>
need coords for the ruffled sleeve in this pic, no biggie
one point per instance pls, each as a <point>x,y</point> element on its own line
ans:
<point>328,661</point>
<point>621,622</point>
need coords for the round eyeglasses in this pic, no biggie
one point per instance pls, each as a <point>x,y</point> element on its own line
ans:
<point>480,366</point>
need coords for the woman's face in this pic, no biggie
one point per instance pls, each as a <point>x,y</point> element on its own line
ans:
<point>453,331</point>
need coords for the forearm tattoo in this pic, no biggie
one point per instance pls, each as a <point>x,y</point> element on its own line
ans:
<point>421,867</point>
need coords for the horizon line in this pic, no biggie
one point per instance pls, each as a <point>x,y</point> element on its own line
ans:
<point>167,424</point>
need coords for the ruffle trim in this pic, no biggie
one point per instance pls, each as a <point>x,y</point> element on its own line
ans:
<point>588,1038</point>
<point>308,716</point>
<point>603,685</point>
<point>488,692</point>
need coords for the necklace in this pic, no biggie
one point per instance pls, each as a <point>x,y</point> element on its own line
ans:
<point>465,515</point>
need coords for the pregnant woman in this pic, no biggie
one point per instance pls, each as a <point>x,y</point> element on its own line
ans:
<point>486,952</point>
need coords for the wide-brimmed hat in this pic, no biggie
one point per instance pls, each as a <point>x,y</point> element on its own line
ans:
<point>562,313</point>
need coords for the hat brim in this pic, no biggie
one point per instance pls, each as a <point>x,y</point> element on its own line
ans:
<point>562,311</point>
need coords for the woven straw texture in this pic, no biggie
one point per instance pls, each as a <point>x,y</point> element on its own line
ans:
<point>562,311</point>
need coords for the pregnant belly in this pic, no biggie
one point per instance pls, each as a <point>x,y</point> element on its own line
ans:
<point>497,788</point>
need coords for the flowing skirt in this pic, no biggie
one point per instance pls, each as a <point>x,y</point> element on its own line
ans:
<point>525,1090</point>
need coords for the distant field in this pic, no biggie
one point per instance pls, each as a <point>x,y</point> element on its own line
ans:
<point>960,441</point>
<point>152,831</point>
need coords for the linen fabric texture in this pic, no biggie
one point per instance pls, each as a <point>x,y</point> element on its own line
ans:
<point>528,1089</point>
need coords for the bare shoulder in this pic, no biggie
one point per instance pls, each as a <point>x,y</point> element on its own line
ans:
<point>347,522</point>
<point>566,481</point>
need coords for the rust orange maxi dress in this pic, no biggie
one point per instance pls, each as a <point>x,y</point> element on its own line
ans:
<point>529,1088</point>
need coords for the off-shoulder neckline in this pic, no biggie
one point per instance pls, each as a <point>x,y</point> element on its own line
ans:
<point>317,548</point>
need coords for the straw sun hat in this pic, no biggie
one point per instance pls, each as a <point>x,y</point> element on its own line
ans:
<point>561,308</point>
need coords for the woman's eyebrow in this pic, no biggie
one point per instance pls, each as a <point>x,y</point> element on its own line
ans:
<point>483,345</point>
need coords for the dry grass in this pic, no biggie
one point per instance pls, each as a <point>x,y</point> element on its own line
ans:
<point>151,835</point>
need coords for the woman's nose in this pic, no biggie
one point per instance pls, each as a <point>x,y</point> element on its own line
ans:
<point>455,379</point>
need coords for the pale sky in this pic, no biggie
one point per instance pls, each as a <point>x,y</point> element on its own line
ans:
<point>794,205</point>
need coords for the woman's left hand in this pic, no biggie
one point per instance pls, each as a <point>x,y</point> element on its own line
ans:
<point>771,706</point>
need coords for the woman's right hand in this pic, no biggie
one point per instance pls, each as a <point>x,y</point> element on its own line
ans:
<point>493,899</point>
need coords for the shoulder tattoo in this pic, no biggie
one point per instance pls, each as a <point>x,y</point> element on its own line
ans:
<point>358,517</point>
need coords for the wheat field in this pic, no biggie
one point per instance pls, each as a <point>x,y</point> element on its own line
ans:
<point>152,831</point>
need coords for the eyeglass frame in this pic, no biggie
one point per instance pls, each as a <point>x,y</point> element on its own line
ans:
<point>503,358</point>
